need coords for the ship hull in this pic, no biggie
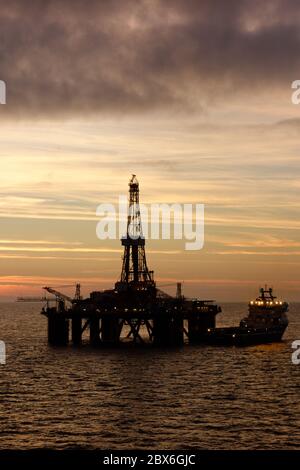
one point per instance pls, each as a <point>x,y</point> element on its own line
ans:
<point>236,336</point>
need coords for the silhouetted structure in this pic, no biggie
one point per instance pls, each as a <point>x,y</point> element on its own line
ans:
<point>135,272</point>
<point>266,322</point>
<point>135,309</point>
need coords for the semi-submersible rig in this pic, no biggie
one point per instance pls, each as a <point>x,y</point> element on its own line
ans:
<point>135,310</point>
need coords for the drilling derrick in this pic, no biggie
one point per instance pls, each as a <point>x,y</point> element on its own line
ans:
<point>135,273</point>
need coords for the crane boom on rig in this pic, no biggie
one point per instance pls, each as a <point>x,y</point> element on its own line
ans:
<point>58,295</point>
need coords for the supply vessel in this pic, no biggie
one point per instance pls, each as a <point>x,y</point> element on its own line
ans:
<point>266,323</point>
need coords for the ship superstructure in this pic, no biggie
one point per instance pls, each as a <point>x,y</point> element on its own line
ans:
<point>266,311</point>
<point>266,322</point>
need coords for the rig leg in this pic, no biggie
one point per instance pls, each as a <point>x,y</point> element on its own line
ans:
<point>168,329</point>
<point>110,330</point>
<point>58,330</point>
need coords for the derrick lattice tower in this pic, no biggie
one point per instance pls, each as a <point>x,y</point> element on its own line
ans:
<point>135,272</point>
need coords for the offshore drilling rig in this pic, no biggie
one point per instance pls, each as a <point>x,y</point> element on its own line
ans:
<point>135,310</point>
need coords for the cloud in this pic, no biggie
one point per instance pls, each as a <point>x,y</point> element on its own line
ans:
<point>65,58</point>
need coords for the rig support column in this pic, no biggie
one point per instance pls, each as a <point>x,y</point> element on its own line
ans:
<point>58,330</point>
<point>110,330</point>
<point>168,329</point>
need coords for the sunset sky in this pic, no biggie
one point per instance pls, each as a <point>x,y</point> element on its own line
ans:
<point>194,97</point>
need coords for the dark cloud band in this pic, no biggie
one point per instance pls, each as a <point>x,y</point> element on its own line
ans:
<point>66,57</point>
